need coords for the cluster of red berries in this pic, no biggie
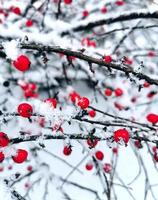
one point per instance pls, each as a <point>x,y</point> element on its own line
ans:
<point>22,63</point>
<point>106,167</point>
<point>3,12</point>
<point>99,156</point>
<point>82,102</point>
<point>29,89</point>
<point>118,92</point>
<point>4,141</point>
<point>88,42</point>
<point>21,155</point>
<point>15,10</point>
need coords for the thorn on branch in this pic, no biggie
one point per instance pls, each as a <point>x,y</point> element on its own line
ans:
<point>44,57</point>
<point>91,68</point>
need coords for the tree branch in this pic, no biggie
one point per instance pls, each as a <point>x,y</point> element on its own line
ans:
<point>121,18</point>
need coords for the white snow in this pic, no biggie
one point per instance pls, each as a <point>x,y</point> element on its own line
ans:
<point>11,49</point>
<point>5,193</point>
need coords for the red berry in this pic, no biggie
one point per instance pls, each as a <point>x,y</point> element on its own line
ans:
<point>6,14</point>
<point>92,113</point>
<point>146,84</point>
<point>74,96</point>
<point>108,92</point>
<point>92,44</point>
<point>56,1</point>
<point>24,86</point>
<point>83,103</point>
<point>115,150</point>
<point>32,86</point>
<point>85,41</point>
<point>22,63</point>
<point>61,55</point>
<point>107,59</point>
<point>1,169</point>
<point>28,93</point>
<point>99,155</point>
<point>1,157</point>
<point>4,140</point>
<point>118,92</point>
<point>153,118</point>
<point>156,157</point>
<point>104,10</point>
<point>52,102</point>
<point>151,53</point>
<point>67,150</point>
<point>27,185</point>
<point>16,10</point>
<point>138,144</point>
<point>41,121</point>
<point>119,3</point>
<point>10,167</point>
<point>151,94</point>
<point>29,168</point>
<point>154,149</point>
<point>67,1</point>
<point>107,168</point>
<point>1,11</point>
<point>25,110</point>
<point>35,95</point>
<point>118,106</point>
<point>20,156</point>
<point>121,134</point>
<point>85,13</point>
<point>92,143</point>
<point>128,61</point>
<point>57,127</point>
<point>29,23</point>
<point>89,166</point>
<point>71,58</point>
<point>133,99</point>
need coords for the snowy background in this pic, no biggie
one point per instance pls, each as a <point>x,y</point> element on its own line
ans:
<point>62,69</point>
